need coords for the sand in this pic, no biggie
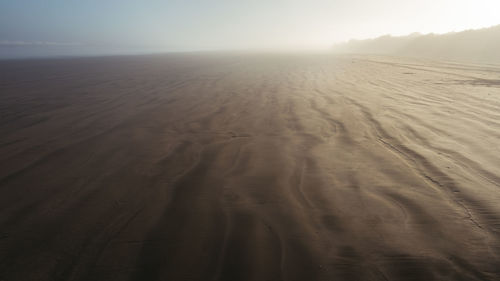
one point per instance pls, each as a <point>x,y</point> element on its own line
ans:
<point>249,167</point>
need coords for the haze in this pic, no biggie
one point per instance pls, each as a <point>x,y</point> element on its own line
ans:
<point>56,27</point>
<point>249,140</point>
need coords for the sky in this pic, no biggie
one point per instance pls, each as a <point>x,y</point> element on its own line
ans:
<point>53,27</point>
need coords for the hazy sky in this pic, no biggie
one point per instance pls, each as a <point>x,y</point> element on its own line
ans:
<point>178,25</point>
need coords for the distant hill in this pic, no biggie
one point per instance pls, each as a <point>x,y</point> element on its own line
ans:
<point>480,45</point>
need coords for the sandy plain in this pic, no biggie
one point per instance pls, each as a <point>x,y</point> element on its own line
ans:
<point>249,167</point>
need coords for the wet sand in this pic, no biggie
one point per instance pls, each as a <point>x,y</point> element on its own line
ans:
<point>249,167</point>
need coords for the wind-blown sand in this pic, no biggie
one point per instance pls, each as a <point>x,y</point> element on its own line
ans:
<point>249,167</point>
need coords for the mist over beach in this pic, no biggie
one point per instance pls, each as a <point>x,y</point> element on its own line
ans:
<point>249,140</point>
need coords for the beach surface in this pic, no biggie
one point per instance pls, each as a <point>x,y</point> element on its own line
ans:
<point>249,167</point>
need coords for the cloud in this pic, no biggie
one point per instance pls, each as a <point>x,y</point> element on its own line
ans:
<point>36,43</point>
